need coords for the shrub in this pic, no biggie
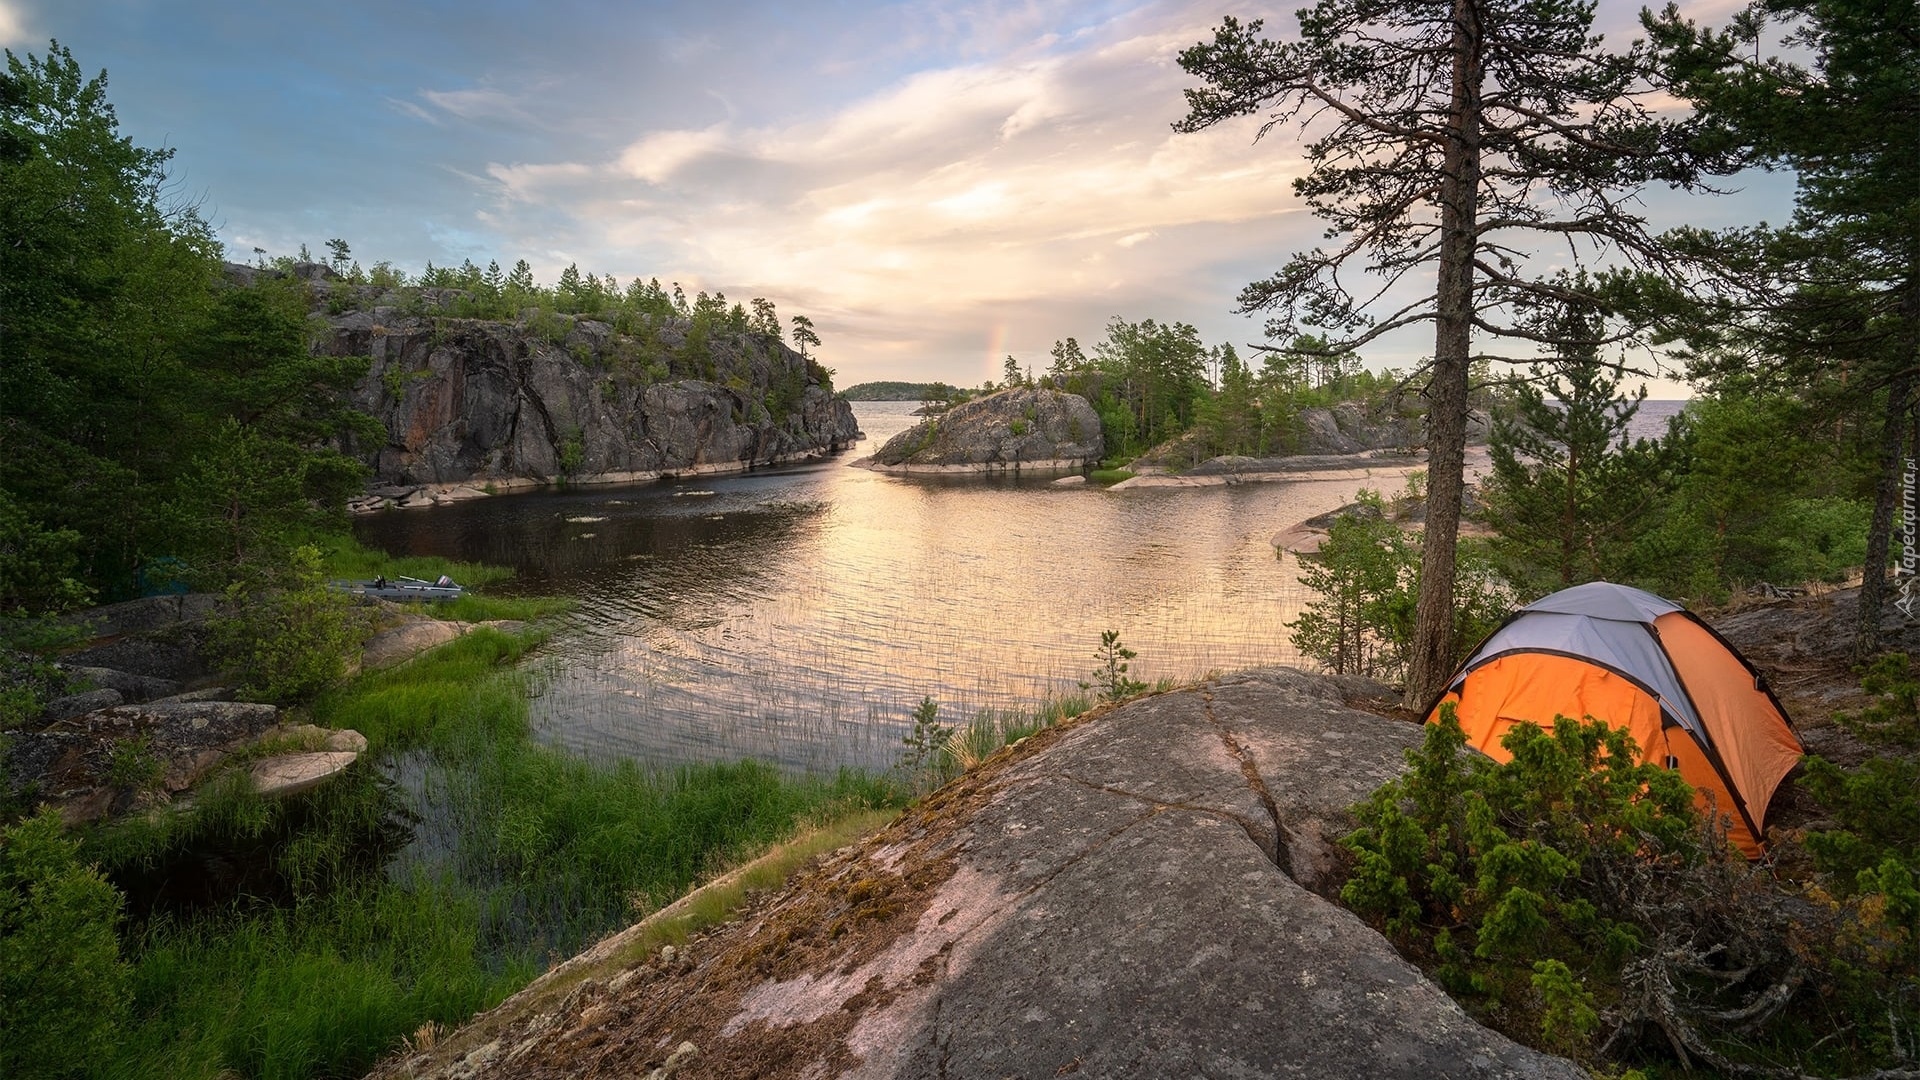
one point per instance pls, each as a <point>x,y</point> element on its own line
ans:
<point>1368,576</point>
<point>1111,674</point>
<point>921,759</point>
<point>287,639</point>
<point>63,988</point>
<point>1572,899</point>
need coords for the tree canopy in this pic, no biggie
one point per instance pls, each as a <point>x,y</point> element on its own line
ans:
<point>1448,141</point>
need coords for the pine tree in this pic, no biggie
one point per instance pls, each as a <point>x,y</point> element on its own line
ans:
<point>1570,489</point>
<point>1830,305</point>
<point>1454,135</point>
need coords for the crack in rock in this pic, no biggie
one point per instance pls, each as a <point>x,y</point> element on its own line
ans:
<point>1252,828</point>
<point>1280,855</point>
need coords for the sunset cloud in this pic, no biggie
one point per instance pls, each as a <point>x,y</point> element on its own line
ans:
<point>933,183</point>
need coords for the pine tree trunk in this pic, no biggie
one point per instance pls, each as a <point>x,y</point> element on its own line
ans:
<point>1886,496</point>
<point>1432,659</point>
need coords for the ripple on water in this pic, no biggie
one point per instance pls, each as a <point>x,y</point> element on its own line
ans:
<point>800,614</point>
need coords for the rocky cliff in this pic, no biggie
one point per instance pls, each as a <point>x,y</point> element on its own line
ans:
<point>548,397</point>
<point>1024,429</point>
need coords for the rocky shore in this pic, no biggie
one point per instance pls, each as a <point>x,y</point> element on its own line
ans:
<point>1137,894</point>
<point>144,722</point>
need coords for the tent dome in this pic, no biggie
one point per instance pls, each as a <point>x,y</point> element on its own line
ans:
<point>1640,661</point>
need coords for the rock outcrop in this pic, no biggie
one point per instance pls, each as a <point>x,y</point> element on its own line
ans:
<point>1019,430</point>
<point>131,736</point>
<point>1138,894</point>
<point>476,404</point>
<point>1320,433</point>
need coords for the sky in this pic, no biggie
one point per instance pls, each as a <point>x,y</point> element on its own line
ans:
<point>935,185</point>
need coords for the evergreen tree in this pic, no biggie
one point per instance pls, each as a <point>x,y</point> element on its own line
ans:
<point>803,334</point>
<point>1067,359</point>
<point>1455,132</point>
<point>1830,305</point>
<point>1570,490</point>
<point>571,289</point>
<point>521,278</point>
<point>765,319</point>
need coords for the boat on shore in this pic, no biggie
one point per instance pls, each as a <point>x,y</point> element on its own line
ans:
<point>405,589</point>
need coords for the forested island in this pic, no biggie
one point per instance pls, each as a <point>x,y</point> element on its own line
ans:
<point>185,434</point>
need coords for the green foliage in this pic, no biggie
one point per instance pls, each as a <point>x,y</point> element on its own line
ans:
<point>921,759</point>
<point>133,766</point>
<point>1508,875</point>
<point>534,855</point>
<point>1765,501</point>
<point>1367,579</point>
<point>63,988</point>
<point>36,564</point>
<point>1571,898</point>
<point>1875,810</point>
<point>573,450</point>
<point>1571,493</point>
<point>890,390</point>
<point>1360,575</point>
<point>288,636</point>
<point>1111,675</point>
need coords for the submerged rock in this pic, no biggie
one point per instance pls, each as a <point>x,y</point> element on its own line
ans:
<point>1020,430</point>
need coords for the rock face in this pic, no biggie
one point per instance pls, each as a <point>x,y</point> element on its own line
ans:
<point>130,737</point>
<point>1130,896</point>
<point>550,397</point>
<point>1019,430</point>
<point>1347,428</point>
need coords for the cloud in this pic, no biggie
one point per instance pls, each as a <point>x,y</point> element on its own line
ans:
<point>478,103</point>
<point>951,198</point>
<point>657,156</point>
<point>13,25</point>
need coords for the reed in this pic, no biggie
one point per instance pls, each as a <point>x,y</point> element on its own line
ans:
<point>458,861</point>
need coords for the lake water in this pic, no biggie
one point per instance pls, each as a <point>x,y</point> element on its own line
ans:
<point>799,615</point>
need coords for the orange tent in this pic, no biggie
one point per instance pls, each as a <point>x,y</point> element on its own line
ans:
<point>1636,660</point>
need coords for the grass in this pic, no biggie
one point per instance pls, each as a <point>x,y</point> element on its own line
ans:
<point>346,558</point>
<point>992,729</point>
<point>1109,476</point>
<point>374,908</point>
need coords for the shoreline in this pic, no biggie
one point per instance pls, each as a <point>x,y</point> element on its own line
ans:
<point>425,496</point>
<point>1042,466</point>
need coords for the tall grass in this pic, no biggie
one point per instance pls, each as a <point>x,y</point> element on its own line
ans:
<point>513,855</point>
<point>346,558</point>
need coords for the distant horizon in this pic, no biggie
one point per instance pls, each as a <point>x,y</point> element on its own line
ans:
<point>934,187</point>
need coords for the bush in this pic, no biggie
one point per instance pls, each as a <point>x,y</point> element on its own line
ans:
<point>63,988</point>
<point>288,639</point>
<point>1571,898</point>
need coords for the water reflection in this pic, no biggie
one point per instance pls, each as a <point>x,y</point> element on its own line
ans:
<point>799,615</point>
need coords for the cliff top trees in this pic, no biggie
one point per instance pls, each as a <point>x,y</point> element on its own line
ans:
<point>1448,139</point>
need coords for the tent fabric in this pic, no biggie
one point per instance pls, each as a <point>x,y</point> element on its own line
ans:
<point>1636,660</point>
<point>1625,647</point>
<point>1605,600</point>
<point>1755,756</point>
